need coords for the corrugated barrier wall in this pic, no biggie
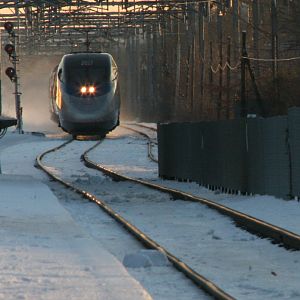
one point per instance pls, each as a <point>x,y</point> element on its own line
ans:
<point>260,156</point>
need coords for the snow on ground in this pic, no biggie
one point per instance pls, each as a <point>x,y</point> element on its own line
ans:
<point>266,271</point>
<point>44,254</point>
<point>260,262</point>
<point>36,265</point>
<point>283,213</point>
<point>162,282</point>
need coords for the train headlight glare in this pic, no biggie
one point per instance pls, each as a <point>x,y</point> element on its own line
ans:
<point>83,89</point>
<point>91,89</point>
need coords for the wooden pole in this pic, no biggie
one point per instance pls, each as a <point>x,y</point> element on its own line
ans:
<point>243,112</point>
<point>211,77</point>
<point>235,26</point>
<point>275,50</point>
<point>274,38</point>
<point>201,48</point>
<point>220,29</point>
<point>228,76</point>
<point>178,67</point>
<point>255,13</point>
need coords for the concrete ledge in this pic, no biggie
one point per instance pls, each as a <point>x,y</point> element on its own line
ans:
<point>7,122</point>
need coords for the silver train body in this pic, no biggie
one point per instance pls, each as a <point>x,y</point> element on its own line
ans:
<point>83,94</point>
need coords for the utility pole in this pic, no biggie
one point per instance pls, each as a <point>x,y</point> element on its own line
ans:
<point>220,35</point>
<point>255,13</point>
<point>274,38</point>
<point>202,49</point>
<point>211,76</point>
<point>235,26</point>
<point>178,66</point>
<point>275,49</point>
<point>228,77</point>
<point>244,59</point>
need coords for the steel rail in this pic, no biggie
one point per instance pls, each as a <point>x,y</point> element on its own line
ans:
<point>150,142</point>
<point>278,235</point>
<point>202,282</point>
<point>143,126</point>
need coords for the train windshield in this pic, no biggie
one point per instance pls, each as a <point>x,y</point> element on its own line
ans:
<point>87,73</point>
<point>79,71</point>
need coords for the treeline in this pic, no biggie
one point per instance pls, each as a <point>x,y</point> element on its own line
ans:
<point>187,65</point>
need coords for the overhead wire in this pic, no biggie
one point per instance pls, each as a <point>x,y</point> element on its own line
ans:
<point>272,59</point>
<point>226,65</point>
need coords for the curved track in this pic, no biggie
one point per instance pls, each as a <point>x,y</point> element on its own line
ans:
<point>198,279</point>
<point>259,227</point>
<point>150,141</point>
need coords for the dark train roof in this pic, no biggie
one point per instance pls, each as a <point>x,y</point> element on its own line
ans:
<point>76,52</point>
<point>87,58</point>
<point>79,67</point>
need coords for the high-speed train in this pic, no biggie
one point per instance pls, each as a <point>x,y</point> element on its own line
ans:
<point>83,98</point>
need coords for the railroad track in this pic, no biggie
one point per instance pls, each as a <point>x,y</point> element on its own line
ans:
<point>201,281</point>
<point>150,141</point>
<point>140,125</point>
<point>185,196</point>
<point>254,225</point>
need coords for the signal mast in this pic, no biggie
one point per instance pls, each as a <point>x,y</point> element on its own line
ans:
<point>12,72</point>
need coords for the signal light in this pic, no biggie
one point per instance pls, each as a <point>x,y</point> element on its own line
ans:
<point>11,73</point>
<point>9,26</point>
<point>9,48</point>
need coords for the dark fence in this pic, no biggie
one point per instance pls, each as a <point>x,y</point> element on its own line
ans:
<point>260,156</point>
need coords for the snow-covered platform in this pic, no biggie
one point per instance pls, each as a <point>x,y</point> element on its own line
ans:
<point>44,254</point>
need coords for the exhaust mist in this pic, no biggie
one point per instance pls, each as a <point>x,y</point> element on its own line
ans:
<point>34,86</point>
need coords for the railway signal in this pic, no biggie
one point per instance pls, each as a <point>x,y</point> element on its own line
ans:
<point>9,49</point>
<point>9,26</point>
<point>12,72</point>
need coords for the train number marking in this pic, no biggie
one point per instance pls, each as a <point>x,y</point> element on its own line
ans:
<point>87,63</point>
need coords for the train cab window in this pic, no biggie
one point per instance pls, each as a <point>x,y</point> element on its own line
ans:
<point>59,74</point>
<point>114,70</point>
<point>82,73</point>
<point>87,70</point>
<point>78,76</point>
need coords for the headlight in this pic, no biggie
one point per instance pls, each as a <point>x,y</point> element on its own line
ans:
<point>83,90</point>
<point>91,89</point>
